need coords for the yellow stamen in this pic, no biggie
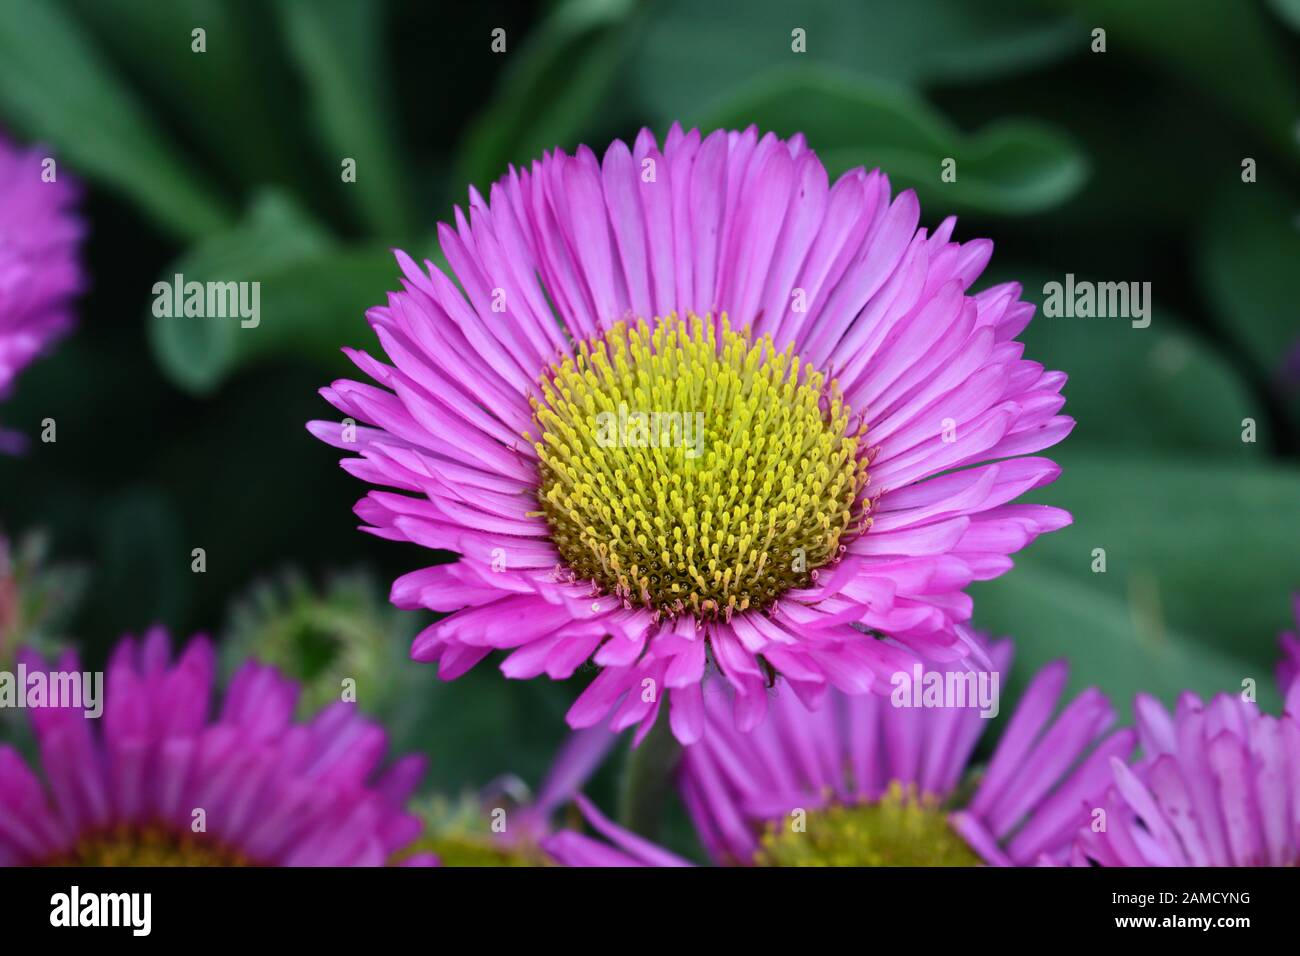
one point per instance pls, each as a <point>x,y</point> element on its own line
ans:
<point>148,846</point>
<point>900,829</point>
<point>695,472</point>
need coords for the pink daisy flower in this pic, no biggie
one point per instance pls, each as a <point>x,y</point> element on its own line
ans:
<point>864,781</point>
<point>698,407</point>
<point>1218,785</point>
<point>156,781</point>
<point>39,268</point>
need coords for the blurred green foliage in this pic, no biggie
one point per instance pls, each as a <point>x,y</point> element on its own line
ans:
<point>1124,166</point>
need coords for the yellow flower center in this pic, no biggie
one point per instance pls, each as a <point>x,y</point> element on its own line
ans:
<point>149,846</point>
<point>694,472</point>
<point>900,829</point>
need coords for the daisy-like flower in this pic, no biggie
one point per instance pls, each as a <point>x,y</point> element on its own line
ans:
<point>698,406</point>
<point>39,268</point>
<point>870,781</point>
<point>1218,785</point>
<point>155,781</point>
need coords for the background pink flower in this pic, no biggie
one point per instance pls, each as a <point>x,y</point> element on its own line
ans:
<point>39,268</point>
<point>127,788</point>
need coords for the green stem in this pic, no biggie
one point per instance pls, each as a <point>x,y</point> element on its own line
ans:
<point>647,780</point>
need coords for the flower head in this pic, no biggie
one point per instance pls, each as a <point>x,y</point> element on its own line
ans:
<point>39,270</point>
<point>156,781</point>
<point>697,407</point>
<point>1218,785</point>
<point>870,781</point>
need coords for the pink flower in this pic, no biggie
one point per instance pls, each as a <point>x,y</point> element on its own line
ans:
<point>1218,785</point>
<point>698,407</point>
<point>156,781</point>
<point>870,781</point>
<point>39,270</point>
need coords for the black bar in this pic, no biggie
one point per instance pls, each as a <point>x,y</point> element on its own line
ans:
<point>207,906</point>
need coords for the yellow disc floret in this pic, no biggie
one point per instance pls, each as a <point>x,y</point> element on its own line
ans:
<point>691,469</point>
<point>148,846</point>
<point>900,829</point>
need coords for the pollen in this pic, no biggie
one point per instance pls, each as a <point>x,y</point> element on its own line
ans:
<point>689,468</point>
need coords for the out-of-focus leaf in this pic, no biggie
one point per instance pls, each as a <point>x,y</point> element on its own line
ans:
<point>1200,560</point>
<point>1288,10</point>
<point>694,54</point>
<point>1249,254</point>
<point>646,783</point>
<point>550,89</point>
<point>337,46</point>
<point>226,97</point>
<point>312,293</point>
<point>197,352</point>
<point>1159,389</point>
<point>1108,639</point>
<point>1226,49</point>
<point>54,86</point>
<point>1009,167</point>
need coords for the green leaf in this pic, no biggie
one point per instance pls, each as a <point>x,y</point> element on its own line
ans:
<point>694,55</point>
<point>1289,11</point>
<point>551,89</point>
<point>1009,167</point>
<point>197,353</point>
<point>230,97</point>
<point>1158,389</point>
<point>645,786</point>
<point>1248,251</point>
<point>54,86</point>
<point>1200,561</point>
<point>1108,640</point>
<point>312,296</point>
<point>337,46</point>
